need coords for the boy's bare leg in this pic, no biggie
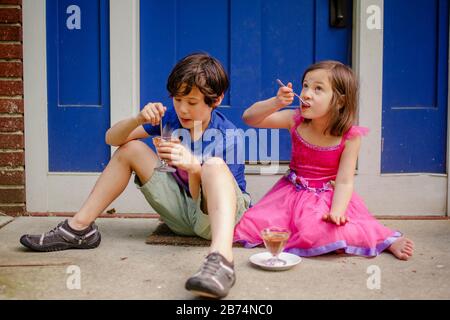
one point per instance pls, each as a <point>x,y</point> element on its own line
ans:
<point>133,156</point>
<point>218,188</point>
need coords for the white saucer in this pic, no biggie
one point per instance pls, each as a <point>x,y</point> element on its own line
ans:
<point>259,258</point>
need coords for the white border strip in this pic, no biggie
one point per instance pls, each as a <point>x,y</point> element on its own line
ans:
<point>35,104</point>
<point>124,59</point>
<point>368,64</point>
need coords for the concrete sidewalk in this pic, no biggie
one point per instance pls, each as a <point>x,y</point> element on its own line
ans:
<point>124,267</point>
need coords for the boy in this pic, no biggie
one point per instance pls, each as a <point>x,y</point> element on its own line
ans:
<point>204,197</point>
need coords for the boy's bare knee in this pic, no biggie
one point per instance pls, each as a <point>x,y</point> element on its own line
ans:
<point>133,145</point>
<point>129,149</point>
<point>139,158</point>
<point>214,166</point>
<point>214,161</point>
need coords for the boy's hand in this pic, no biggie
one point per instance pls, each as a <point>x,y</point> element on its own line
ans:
<point>338,219</point>
<point>178,156</point>
<point>151,113</point>
<point>285,96</point>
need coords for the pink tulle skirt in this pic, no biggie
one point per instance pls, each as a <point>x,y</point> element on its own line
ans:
<point>301,211</point>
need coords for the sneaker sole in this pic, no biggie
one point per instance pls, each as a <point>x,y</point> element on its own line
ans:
<point>58,247</point>
<point>205,294</point>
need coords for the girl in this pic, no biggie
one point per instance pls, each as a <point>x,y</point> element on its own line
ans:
<point>315,199</point>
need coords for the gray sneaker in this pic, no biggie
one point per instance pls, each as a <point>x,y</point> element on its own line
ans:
<point>62,237</point>
<point>214,279</point>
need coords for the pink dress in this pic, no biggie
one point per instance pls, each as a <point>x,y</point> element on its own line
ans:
<point>300,199</point>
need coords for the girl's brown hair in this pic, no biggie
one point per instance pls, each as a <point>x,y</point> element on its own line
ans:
<point>345,95</point>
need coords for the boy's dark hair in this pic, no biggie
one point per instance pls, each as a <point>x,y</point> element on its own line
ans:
<point>199,70</point>
<point>345,95</point>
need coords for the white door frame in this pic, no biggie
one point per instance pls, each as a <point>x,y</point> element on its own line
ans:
<point>385,194</point>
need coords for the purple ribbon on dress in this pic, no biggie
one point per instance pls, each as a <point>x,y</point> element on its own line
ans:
<point>301,183</point>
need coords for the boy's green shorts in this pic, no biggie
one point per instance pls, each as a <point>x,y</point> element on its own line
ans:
<point>179,211</point>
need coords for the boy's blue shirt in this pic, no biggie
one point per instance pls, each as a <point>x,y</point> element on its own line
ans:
<point>216,141</point>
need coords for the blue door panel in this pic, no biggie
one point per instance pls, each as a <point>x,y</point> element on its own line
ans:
<point>78,64</point>
<point>258,41</point>
<point>415,74</point>
<point>332,43</point>
<point>186,28</point>
<point>78,84</point>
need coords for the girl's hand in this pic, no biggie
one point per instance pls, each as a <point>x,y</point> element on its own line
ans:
<point>178,156</point>
<point>151,113</point>
<point>285,96</point>
<point>338,219</point>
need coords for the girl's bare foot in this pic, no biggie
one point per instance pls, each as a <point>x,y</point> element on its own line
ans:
<point>402,248</point>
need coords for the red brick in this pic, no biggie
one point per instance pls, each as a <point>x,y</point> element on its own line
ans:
<point>8,124</point>
<point>10,33</point>
<point>11,69</point>
<point>12,178</point>
<point>10,15</point>
<point>14,211</point>
<point>12,196</point>
<point>18,2</point>
<point>11,106</point>
<point>11,141</point>
<point>12,159</point>
<point>10,51</point>
<point>11,88</point>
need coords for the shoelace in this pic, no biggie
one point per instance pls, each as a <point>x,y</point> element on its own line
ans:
<point>53,231</point>
<point>48,233</point>
<point>211,265</point>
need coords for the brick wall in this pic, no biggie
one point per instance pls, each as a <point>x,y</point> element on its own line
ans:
<point>12,160</point>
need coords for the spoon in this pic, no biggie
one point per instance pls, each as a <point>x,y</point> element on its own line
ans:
<point>283,85</point>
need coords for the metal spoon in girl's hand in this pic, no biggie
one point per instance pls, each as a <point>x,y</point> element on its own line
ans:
<point>281,84</point>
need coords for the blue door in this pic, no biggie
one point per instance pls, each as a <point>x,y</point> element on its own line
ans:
<point>415,74</point>
<point>258,41</point>
<point>78,84</point>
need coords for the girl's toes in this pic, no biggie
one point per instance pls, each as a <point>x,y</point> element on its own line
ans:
<point>407,252</point>
<point>400,255</point>
<point>403,256</point>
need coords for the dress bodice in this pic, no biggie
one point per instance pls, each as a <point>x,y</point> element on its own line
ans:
<point>318,165</point>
